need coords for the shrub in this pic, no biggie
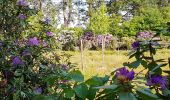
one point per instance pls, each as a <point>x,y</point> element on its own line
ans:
<point>26,40</point>
<point>67,40</point>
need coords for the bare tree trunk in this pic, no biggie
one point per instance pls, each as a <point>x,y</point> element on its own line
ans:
<point>103,49</point>
<point>40,5</point>
<point>70,7</point>
<point>81,50</point>
<point>64,12</point>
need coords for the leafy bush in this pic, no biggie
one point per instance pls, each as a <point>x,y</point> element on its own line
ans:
<point>127,41</point>
<point>26,71</point>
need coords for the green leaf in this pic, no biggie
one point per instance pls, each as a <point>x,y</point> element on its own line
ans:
<point>157,67</point>
<point>18,72</point>
<point>166,71</point>
<point>91,93</point>
<point>41,97</point>
<point>166,92</point>
<point>76,76</point>
<point>135,64</point>
<point>126,96</point>
<point>113,86</point>
<point>51,79</point>
<point>81,90</point>
<point>144,63</point>
<point>68,93</point>
<point>94,81</point>
<point>146,94</point>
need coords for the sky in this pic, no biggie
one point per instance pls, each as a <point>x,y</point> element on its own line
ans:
<point>75,22</point>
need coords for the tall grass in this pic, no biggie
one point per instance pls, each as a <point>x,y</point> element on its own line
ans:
<point>112,60</point>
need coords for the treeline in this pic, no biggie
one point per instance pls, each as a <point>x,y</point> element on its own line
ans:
<point>117,17</point>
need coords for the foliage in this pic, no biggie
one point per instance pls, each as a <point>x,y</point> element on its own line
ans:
<point>26,40</point>
<point>30,68</point>
<point>115,25</point>
<point>99,22</point>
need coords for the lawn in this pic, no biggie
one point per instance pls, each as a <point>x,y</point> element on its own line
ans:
<point>92,61</point>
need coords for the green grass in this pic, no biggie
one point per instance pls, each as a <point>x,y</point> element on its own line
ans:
<point>92,61</point>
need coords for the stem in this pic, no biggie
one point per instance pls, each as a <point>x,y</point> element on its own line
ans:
<point>141,71</point>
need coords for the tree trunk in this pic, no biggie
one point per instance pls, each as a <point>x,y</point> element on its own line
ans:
<point>70,7</point>
<point>64,12</point>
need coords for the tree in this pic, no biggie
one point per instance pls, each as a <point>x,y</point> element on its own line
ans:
<point>115,24</point>
<point>148,19</point>
<point>99,21</point>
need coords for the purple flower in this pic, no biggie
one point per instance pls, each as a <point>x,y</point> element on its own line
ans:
<point>135,45</point>
<point>49,33</point>
<point>64,66</point>
<point>38,90</point>
<point>44,43</point>
<point>33,41</point>
<point>26,53</point>
<point>17,61</point>
<point>145,34</point>
<point>47,20</point>
<point>22,3</point>
<point>123,75</point>
<point>88,36</point>
<point>157,81</point>
<point>21,16</point>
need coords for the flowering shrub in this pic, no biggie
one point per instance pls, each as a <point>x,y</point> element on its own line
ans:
<point>26,71</point>
<point>66,39</point>
<point>90,41</point>
<point>124,84</point>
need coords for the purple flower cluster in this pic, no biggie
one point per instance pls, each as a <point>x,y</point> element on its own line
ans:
<point>88,36</point>
<point>157,81</point>
<point>123,75</point>
<point>107,39</point>
<point>49,34</point>
<point>135,45</point>
<point>22,16</point>
<point>22,3</point>
<point>33,41</point>
<point>16,61</point>
<point>38,90</point>
<point>145,34</point>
